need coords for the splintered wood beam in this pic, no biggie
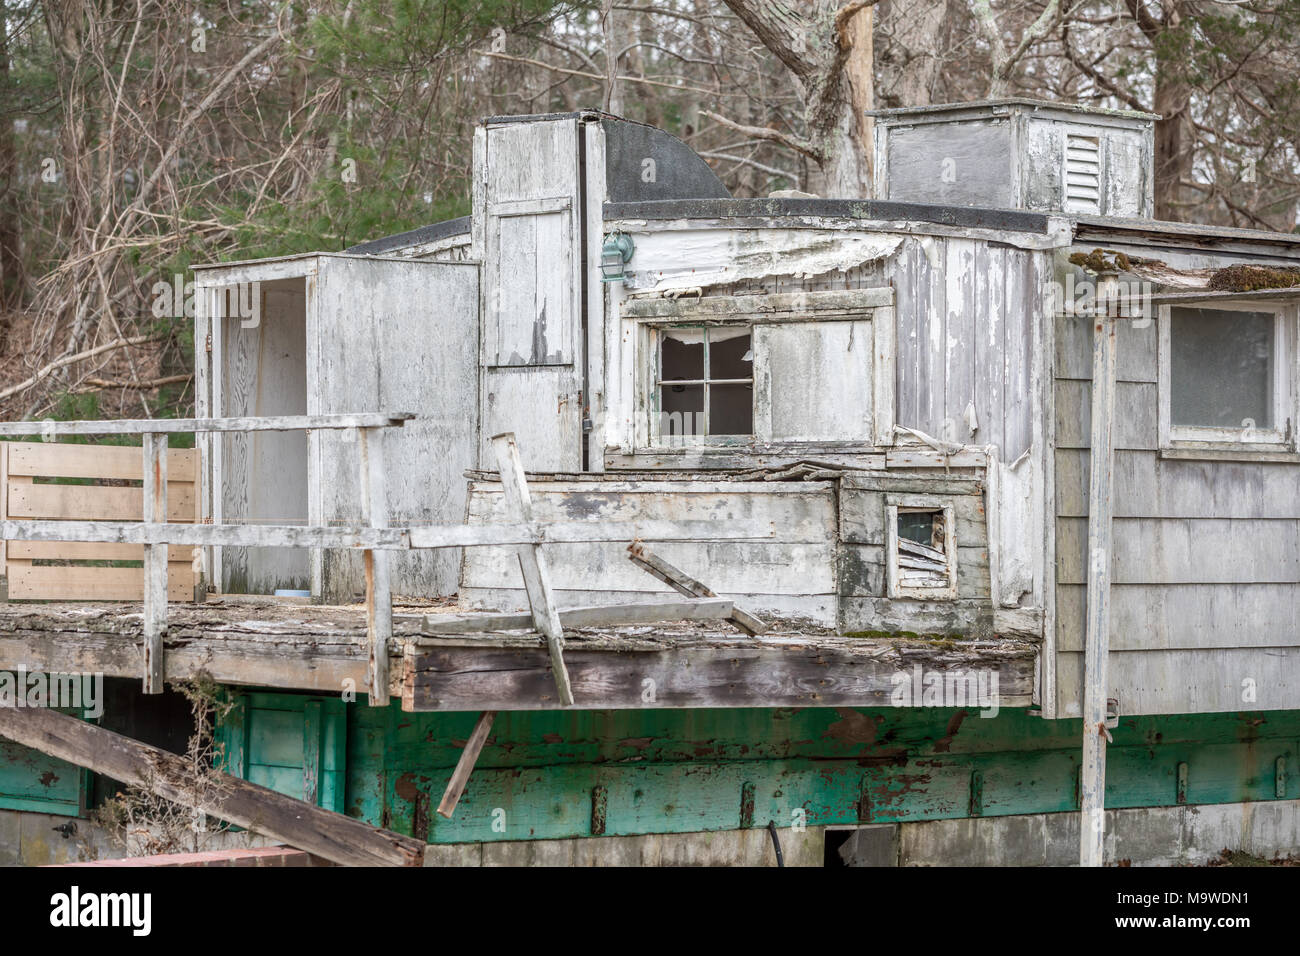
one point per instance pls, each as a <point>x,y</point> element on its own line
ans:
<point>532,562</point>
<point>601,615</point>
<point>683,583</point>
<point>331,835</point>
<point>465,765</point>
<point>155,562</point>
<point>379,595</point>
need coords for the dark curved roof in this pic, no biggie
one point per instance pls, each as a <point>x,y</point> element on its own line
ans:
<point>413,237</point>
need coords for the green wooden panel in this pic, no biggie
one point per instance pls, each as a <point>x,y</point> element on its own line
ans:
<point>664,771</point>
<point>31,780</point>
<point>294,744</point>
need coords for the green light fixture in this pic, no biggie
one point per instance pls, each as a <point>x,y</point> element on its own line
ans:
<point>614,255</point>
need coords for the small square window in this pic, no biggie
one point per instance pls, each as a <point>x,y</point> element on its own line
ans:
<point>1225,377</point>
<point>705,382</point>
<point>921,550</point>
<point>1221,368</point>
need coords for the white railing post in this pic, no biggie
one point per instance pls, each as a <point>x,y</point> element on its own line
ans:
<point>379,596</point>
<point>155,561</point>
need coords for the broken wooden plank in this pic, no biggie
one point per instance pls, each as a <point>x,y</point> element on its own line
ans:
<point>465,765</point>
<point>155,562</point>
<point>327,834</point>
<point>536,572</point>
<point>600,615</point>
<point>683,583</point>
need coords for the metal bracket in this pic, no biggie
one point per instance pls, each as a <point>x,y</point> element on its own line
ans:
<point>1112,712</point>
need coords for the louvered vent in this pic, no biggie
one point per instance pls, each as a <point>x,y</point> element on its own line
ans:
<point>1082,174</point>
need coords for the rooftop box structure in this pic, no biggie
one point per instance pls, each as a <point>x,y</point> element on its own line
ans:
<point>1018,154</point>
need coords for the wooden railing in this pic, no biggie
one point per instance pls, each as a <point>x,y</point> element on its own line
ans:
<point>34,483</point>
<point>375,538</point>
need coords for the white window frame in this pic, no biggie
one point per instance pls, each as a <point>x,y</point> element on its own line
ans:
<point>655,383</point>
<point>897,589</point>
<point>644,318</point>
<point>1281,436</point>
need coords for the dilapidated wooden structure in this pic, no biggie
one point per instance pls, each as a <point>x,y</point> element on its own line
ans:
<point>995,422</point>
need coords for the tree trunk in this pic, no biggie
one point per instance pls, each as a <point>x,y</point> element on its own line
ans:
<point>11,263</point>
<point>827,46</point>
<point>1173,136</point>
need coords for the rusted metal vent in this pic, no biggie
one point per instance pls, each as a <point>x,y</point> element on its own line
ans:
<point>1018,154</point>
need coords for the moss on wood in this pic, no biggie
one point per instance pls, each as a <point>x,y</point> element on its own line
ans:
<point>1253,278</point>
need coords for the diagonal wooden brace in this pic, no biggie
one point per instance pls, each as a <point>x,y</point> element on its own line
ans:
<point>683,583</point>
<point>532,562</point>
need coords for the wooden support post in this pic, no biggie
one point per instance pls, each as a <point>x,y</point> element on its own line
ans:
<point>331,835</point>
<point>537,575</point>
<point>465,765</point>
<point>379,596</point>
<point>683,583</point>
<point>1092,790</point>
<point>155,562</point>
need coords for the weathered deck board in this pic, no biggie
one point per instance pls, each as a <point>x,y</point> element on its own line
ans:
<point>323,649</point>
<point>697,667</point>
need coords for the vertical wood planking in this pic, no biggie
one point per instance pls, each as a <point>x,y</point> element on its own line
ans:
<point>533,564</point>
<point>155,562</point>
<point>1095,683</point>
<point>379,597</point>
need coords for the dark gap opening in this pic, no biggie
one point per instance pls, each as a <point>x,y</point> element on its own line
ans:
<point>833,840</point>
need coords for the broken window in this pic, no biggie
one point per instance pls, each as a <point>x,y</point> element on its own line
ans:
<point>705,381</point>
<point>921,549</point>
<point>1225,375</point>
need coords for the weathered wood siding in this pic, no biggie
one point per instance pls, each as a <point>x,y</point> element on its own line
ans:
<point>528,226</point>
<point>792,574</point>
<point>865,604</point>
<point>969,320</point>
<point>396,336</point>
<point>1205,595</point>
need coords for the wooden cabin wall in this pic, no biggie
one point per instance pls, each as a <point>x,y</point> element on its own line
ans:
<point>265,473</point>
<point>969,319</point>
<point>965,312</point>
<point>403,337</point>
<point>1205,592</point>
<point>792,574</point>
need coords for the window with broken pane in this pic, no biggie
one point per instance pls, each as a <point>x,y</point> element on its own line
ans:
<point>1221,368</point>
<point>705,381</point>
<point>922,548</point>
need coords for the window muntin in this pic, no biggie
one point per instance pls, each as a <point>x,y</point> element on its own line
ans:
<point>1222,369</point>
<point>704,382</point>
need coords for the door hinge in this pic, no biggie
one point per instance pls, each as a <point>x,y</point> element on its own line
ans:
<point>207,342</point>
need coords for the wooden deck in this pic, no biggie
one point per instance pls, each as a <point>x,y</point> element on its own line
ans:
<point>323,649</point>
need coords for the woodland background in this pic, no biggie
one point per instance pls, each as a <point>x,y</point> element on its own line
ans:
<point>139,136</point>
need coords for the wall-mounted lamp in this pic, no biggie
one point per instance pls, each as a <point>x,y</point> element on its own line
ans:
<point>614,255</point>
